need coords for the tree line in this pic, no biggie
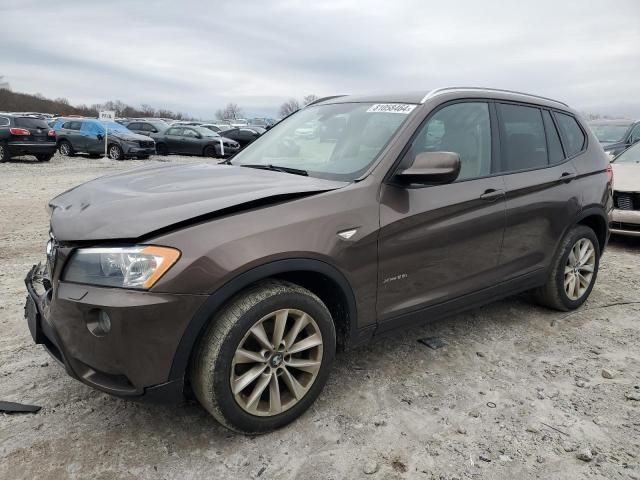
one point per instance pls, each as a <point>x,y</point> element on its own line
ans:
<point>23,102</point>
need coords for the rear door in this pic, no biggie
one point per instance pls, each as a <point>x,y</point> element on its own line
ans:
<point>71,131</point>
<point>442,242</point>
<point>173,139</point>
<point>192,142</point>
<point>542,196</point>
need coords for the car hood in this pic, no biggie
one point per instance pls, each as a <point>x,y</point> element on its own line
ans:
<point>626,177</point>
<point>132,204</point>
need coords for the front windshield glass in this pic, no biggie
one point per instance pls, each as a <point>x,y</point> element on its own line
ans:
<point>336,141</point>
<point>116,127</point>
<point>631,156</point>
<point>606,133</point>
<point>205,132</point>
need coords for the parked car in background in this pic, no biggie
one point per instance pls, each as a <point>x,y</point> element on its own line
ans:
<point>239,282</point>
<point>616,135</point>
<point>626,192</point>
<point>150,127</point>
<point>196,140</point>
<point>215,127</point>
<point>237,122</point>
<point>244,136</point>
<point>26,135</point>
<point>309,130</point>
<point>87,135</point>
<point>264,122</point>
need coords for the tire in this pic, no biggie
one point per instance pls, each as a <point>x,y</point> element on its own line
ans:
<point>65,148</point>
<point>44,157</point>
<point>564,297</point>
<point>214,366</point>
<point>161,149</point>
<point>115,152</point>
<point>209,151</point>
<point>5,156</point>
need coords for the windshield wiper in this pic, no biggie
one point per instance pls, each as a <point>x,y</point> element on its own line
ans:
<point>277,168</point>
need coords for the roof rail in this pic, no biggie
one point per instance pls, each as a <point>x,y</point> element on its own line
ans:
<point>324,99</point>
<point>441,90</point>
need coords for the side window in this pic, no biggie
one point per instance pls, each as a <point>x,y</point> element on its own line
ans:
<point>190,133</point>
<point>147,127</point>
<point>463,128</point>
<point>175,131</point>
<point>73,125</point>
<point>572,135</point>
<point>134,126</point>
<point>4,122</point>
<point>524,145</point>
<point>635,133</point>
<point>556,154</point>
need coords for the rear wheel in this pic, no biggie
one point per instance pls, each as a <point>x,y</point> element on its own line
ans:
<point>161,149</point>
<point>115,152</point>
<point>574,271</point>
<point>5,156</point>
<point>65,148</point>
<point>264,358</point>
<point>44,157</point>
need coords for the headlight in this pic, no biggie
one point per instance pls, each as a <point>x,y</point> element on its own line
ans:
<point>137,267</point>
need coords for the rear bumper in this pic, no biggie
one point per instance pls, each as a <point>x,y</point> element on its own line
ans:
<point>625,222</point>
<point>134,359</point>
<point>32,148</point>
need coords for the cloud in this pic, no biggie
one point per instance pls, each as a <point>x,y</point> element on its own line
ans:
<point>196,56</point>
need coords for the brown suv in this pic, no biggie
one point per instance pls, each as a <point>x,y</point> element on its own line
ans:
<point>237,283</point>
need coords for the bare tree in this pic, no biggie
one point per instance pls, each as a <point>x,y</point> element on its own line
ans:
<point>312,97</point>
<point>288,107</point>
<point>230,112</point>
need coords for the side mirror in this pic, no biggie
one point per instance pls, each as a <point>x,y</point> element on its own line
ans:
<point>431,168</point>
<point>100,136</point>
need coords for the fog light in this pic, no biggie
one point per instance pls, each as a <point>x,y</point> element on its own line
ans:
<point>98,323</point>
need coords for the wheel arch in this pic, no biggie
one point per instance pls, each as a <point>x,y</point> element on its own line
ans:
<point>319,277</point>
<point>596,219</point>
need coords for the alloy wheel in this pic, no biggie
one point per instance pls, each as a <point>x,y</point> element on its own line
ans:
<point>114,152</point>
<point>578,272</point>
<point>64,149</point>
<point>276,362</point>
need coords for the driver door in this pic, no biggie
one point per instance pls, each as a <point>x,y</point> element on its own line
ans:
<point>442,242</point>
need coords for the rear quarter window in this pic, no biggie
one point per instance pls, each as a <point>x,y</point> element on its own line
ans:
<point>572,135</point>
<point>4,122</point>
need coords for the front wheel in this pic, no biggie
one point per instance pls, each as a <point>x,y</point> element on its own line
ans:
<point>265,357</point>
<point>574,271</point>
<point>115,152</point>
<point>209,151</point>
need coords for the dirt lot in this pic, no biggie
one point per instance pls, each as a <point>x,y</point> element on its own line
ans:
<point>518,392</point>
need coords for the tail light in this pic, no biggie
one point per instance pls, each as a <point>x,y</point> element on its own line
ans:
<point>19,131</point>
<point>610,173</point>
<point>52,133</point>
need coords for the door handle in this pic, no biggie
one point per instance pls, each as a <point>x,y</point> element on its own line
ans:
<point>491,195</point>
<point>566,177</point>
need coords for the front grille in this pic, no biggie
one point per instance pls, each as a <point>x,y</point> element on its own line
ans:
<point>626,201</point>
<point>630,227</point>
<point>146,143</point>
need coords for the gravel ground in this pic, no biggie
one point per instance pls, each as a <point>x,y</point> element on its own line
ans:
<point>518,392</point>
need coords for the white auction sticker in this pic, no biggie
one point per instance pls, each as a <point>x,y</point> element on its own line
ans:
<point>392,108</point>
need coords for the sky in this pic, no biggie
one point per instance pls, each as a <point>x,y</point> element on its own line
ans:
<point>196,56</point>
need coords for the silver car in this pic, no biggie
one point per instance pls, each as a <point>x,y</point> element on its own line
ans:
<point>626,192</point>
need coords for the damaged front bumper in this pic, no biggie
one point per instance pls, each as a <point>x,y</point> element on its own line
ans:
<point>134,358</point>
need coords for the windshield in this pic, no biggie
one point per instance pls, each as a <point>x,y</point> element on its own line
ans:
<point>337,142</point>
<point>116,127</point>
<point>205,132</point>
<point>609,133</point>
<point>630,156</point>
